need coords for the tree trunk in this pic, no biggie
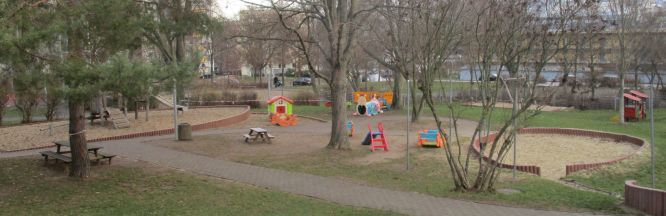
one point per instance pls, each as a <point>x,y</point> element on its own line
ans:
<point>315,85</point>
<point>397,79</point>
<point>339,138</point>
<point>80,166</point>
<point>636,81</point>
<point>621,96</point>
<point>147,107</point>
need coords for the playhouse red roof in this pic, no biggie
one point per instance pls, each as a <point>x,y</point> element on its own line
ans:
<point>272,100</point>
<point>638,93</point>
<point>631,97</point>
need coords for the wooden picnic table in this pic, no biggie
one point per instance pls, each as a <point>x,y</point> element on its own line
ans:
<point>256,133</point>
<point>65,143</point>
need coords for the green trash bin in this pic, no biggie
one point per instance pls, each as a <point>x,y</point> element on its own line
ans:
<point>184,132</point>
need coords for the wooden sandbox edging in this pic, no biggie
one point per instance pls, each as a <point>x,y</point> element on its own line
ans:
<point>564,131</point>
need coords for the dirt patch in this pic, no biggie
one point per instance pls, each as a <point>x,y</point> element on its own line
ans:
<point>37,135</point>
<point>308,137</point>
<point>233,147</point>
<point>553,152</point>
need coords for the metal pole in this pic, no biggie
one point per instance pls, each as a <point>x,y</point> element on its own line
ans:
<point>651,100</point>
<point>282,80</point>
<point>515,131</point>
<point>270,79</point>
<point>175,111</point>
<point>212,63</point>
<point>409,95</point>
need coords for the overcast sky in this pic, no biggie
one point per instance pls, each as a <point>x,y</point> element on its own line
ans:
<point>230,8</point>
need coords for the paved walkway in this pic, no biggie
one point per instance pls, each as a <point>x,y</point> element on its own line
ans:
<point>329,189</point>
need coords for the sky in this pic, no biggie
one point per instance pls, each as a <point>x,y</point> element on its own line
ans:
<point>230,8</point>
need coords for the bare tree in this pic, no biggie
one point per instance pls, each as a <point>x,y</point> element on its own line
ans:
<point>625,15</point>
<point>651,50</point>
<point>339,20</point>
<point>228,51</point>
<point>257,28</point>
<point>395,42</point>
<point>521,37</point>
<point>591,43</point>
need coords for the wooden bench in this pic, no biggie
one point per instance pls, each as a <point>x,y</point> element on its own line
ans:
<point>56,156</point>
<point>102,156</point>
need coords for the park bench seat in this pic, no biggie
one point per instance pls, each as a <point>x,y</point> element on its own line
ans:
<point>103,156</point>
<point>56,156</point>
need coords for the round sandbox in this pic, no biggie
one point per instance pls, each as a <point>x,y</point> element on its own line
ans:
<point>556,152</point>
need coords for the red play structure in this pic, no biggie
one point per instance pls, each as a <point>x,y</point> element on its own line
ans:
<point>378,137</point>
<point>634,105</point>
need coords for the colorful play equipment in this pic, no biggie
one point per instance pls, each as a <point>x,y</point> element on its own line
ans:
<point>377,139</point>
<point>360,107</point>
<point>431,138</point>
<point>280,111</point>
<point>634,105</point>
<point>350,128</point>
<point>385,98</point>
<point>644,100</point>
<point>368,108</point>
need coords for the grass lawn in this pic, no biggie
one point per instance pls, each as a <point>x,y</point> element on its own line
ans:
<point>437,86</point>
<point>29,188</point>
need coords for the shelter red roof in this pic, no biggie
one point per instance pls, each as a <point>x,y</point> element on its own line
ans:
<point>638,93</point>
<point>272,100</point>
<point>631,97</point>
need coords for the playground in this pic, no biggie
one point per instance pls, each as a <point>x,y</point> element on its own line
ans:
<point>550,152</point>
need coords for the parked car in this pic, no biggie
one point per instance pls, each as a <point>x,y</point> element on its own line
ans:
<point>493,77</point>
<point>302,81</point>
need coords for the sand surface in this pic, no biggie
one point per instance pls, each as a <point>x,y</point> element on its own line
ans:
<point>553,152</point>
<point>37,135</point>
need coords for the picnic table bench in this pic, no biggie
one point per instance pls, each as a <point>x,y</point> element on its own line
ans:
<point>65,143</point>
<point>96,115</point>
<point>256,133</point>
<point>59,155</point>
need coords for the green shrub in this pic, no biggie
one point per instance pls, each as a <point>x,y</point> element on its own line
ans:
<point>249,98</point>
